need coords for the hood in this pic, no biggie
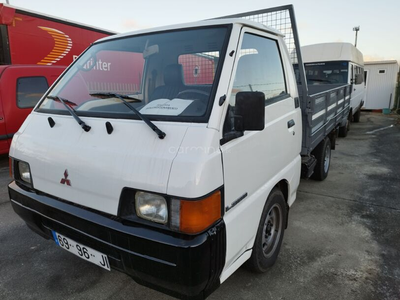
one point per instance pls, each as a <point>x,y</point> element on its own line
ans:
<point>97,165</point>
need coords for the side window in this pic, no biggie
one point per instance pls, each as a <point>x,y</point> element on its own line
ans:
<point>359,75</point>
<point>259,69</point>
<point>30,90</point>
<point>199,68</point>
<point>362,75</point>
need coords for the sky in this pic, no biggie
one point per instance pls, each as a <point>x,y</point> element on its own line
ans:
<point>318,21</point>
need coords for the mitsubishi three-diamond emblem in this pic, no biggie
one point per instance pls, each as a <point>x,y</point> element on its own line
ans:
<point>65,180</point>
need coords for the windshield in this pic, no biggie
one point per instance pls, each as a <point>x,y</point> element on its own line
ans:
<point>326,72</point>
<point>168,75</point>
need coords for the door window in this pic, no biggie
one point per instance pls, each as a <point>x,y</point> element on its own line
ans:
<point>30,90</point>
<point>359,71</point>
<point>260,69</point>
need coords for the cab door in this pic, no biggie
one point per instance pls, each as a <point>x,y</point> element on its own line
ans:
<point>254,162</point>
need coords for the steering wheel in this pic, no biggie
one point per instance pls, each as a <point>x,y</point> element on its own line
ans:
<point>195,95</point>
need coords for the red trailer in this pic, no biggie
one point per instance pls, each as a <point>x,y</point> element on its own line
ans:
<point>34,50</point>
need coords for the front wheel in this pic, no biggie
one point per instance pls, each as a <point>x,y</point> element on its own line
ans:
<point>269,234</point>
<point>323,155</point>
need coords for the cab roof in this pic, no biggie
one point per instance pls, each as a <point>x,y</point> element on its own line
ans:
<point>213,22</point>
<point>332,52</point>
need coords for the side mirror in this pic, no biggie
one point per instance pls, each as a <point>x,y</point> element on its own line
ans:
<point>149,51</point>
<point>250,111</point>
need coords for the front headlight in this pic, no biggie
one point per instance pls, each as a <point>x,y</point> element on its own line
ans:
<point>188,216</point>
<point>151,207</point>
<point>24,172</point>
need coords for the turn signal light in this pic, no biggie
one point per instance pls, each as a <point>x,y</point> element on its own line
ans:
<point>194,216</point>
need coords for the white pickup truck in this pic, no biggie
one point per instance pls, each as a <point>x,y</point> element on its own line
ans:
<point>174,154</point>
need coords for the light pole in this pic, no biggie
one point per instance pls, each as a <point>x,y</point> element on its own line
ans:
<point>356,29</point>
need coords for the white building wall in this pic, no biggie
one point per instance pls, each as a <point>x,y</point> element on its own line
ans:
<point>380,86</point>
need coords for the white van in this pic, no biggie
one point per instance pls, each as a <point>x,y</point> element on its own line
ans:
<point>174,154</point>
<point>336,64</point>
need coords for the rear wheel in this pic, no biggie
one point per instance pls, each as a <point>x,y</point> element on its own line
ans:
<point>269,234</point>
<point>323,155</point>
<point>356,117</point>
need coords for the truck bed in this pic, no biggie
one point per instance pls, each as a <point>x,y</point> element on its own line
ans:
<point>324,108</point>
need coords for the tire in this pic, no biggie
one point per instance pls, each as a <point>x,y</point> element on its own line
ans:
<point>356,117</point>
<point>269,233</point>
<point>323,155</point>
<point>343,130</point>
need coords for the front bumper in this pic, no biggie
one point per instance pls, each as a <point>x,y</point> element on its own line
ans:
<point>183,266</point>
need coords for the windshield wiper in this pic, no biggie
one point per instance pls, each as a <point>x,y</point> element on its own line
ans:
<point>57,99</point>
<point>114,95</point>
<point>319,80</point>
<point>71,111</point>
<point>160,133</point>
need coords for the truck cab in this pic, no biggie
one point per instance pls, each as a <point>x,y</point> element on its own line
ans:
<point>173,152</point>
<point>21,87</point>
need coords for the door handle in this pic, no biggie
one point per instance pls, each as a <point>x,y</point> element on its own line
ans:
<point>290,123</point>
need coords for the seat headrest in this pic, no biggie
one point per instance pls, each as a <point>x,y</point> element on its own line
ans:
<point>173,75</point>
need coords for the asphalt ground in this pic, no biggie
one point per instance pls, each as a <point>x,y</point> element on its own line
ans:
<point>343,238</point>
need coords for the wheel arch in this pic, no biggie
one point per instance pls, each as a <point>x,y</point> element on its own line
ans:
<point>283,186</point>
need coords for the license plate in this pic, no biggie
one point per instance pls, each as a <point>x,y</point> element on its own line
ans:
<point>82,251</point>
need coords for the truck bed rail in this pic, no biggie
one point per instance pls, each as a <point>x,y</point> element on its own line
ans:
<point>323,111</point>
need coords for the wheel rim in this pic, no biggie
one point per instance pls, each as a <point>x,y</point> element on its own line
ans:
<point>272,230</point>
<point>327,159</point>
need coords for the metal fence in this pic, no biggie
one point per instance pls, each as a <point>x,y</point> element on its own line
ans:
<point>283,19</point>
